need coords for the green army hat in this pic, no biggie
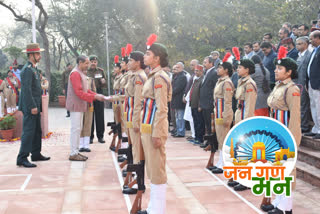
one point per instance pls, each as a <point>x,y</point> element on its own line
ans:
<point>93,57</point>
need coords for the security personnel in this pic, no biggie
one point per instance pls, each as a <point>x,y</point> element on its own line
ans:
<point>100,82</point>
<point>222,95</point>
<point>157,92</point>
<point>246,95</point>
<point>285,100</point>
<point>9,87</point>
<point>134,90</point>
<point>30,105</point>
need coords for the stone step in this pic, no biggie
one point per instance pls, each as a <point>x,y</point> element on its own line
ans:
<point>308,173</point>
<point>310,143</point>
<point>309,156</point>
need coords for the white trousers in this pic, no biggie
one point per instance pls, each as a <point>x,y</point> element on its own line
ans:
<point>76,119</point>
<point>220,161</point>
<point>157,203</point>
<point>315,109</point>
<point>84,142</point>
<point>283,203</point>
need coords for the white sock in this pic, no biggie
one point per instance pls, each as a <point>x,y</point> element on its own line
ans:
<point>124,134</point>
<point>86,142</point>
<point>81,145</point>
<point>277,200</point>
<point>220,162</point>
<point>285,203</point>
<point>157,203</point>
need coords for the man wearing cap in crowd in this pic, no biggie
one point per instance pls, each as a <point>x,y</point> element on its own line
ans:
<point>30,105</point>
<point>100,82</point>
<point>293,53</point>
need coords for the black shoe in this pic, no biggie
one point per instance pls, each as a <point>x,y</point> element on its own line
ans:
<point>204,145</point>
<point>121,159</point>
<point>317,136</point>
<point>232,183</point>
<point>68,115</point>
<point>82,150</point>
<point>91,141</point>
<point>40,158</point>
<point>173,133</point>
<point>217,171</point>
<point>101,140</point>
<point>267,208</point>
<point>112,148</point>
<point>86,150</point>
<point>240,187</point>
<point>142,212</point>
<point>179,136</point>
<point>277,211</point>
<point>129,191</point>
<point>124,173</point>
<point>212,167</point>
<point>26,164</point>
<point>310,134</point>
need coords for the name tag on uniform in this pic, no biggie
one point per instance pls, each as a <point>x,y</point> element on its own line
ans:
<point>97,76</point>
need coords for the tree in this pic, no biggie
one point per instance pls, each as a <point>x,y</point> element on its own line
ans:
<point>41,26</point>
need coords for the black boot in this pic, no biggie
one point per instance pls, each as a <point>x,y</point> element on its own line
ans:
<point>232,183</point>
<point>130,191</point>
<point>240,187</point>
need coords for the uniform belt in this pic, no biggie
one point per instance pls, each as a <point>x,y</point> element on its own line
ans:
<point>219,103</point>
<point>149,110</point>
<point>280,115</point>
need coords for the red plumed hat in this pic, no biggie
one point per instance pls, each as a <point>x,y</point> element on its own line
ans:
<point>10,67</point>
<point>128,49</point>
<point>151,39</point>
<point>226,57</point>
<point>116,59</point>
<point>282,52</point>
<point>15,62</point>
<point>123,52</point>
<point>236,52</point>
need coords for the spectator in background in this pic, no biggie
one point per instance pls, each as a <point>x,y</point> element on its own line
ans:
<point>295,31</point>
<point>292,51</point>
<point>206,93</point>
<point>288,26</point>
<point>303,30</point>
<point>267,37</point>
<point>194,104</point>
<point>193,64</point>
<point>268,59</point>
<point>257,50</point>
<point>313,83</point>
<point>178,85</point>
<point>248,50</point>
<point>302,44</point>
<point>215,55</point>
<point>64,82</point>
<point>283,33</point>
<point>262,79</point>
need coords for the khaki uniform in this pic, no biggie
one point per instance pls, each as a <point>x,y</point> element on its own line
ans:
<point>157,92</point>
<point>9,92</point>
<point>2,101</point>
<point>88,115</point>
<point>246,95</point>
<point>285,100</point>
<point>116,89</point>
<point>223,112</point>
<point>134,90</point>
<point>44,85</point>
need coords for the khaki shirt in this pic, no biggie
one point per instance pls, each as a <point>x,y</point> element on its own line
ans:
<point>223,90</point>
<point>44,83</point>
<point>116,82</point>
<point>246,92</point>
<point>6,87</point>
<point>286,97</point>
<point>122,86</point>
<point>158,87</point>
<point>97,74</point>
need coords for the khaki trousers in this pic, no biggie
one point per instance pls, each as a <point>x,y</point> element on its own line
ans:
<point>135,140</point>
<point>222,132</point>
<point>155,159</point>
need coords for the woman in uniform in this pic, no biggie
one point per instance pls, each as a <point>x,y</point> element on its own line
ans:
<point>285,100</point>
<point>223,93</point>
<point>157,92</point>
<point>246,96</point>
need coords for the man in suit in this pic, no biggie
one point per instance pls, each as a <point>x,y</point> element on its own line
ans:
<point>313,83</point>
<point>30,105</point>
<point>178,85</point>
<point>302,44</point>
<point>206,93</point>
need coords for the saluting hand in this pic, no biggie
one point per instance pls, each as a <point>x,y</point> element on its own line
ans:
<point>34,111</point>
<point>156,142</point>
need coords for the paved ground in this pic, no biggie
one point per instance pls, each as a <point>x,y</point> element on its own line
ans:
<point>61,186</point>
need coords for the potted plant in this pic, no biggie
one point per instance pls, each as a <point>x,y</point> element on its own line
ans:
<point>7,124</point>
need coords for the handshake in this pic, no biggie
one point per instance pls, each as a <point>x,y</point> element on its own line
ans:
<point>102,98</point>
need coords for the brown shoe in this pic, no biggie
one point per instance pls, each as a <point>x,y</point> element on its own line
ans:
<point>77,158</point>
<point>83,156</point>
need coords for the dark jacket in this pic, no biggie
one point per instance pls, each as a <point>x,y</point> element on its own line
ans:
<point>31,92</point>
<point>314,76</point>
<point>260,53</point>
<point>293,54</point>
<point>178,85</point>
<point>206,89</point>
<point>268,63</point>
<point>195,93</point>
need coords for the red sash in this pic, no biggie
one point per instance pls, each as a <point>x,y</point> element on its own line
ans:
<point>19,83</point>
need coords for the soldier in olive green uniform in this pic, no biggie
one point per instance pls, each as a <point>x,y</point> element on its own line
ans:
<point>64,82</point>
<point>223,93</point>
<point>285,100</point>
<point>30,105</point>
<point>100,82</point>
<point>157,92</point>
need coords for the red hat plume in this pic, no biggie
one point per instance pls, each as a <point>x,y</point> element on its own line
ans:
<point>128,49</point>
<point>151,39</point>
<point>116,59</point>
<point>282,52</point>
<point>226,57</point>
<point>10,67</point>
<point>236,52</point>
<point>123,52</point>
<point>15,62</point>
